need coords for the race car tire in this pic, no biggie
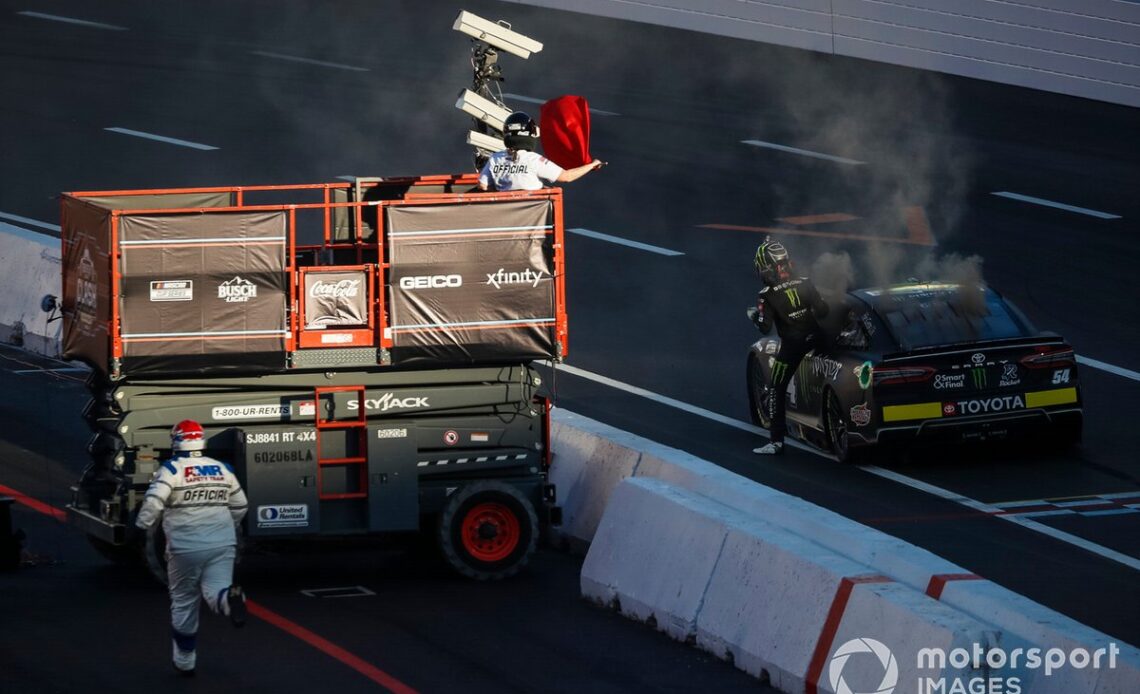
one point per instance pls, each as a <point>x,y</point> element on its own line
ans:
<point>759,392</point>
<point>488,531</point>
<point>835,428</point>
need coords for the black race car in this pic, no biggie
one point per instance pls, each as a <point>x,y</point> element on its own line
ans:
<point>929,362</point>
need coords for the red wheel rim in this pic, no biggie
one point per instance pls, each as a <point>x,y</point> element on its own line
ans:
<point>490,532</point>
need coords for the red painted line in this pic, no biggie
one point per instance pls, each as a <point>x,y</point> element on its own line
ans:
<point>819,234</point>
<point>324,645</point>
<point>828,218</point>
<point>938,582</point>
<point>34,504</point>
<point>831,627</point>
<point>331,649</point>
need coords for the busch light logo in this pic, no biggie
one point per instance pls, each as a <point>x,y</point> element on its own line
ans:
<point>342,289</point>
<point>86,290</point>
<point>237,290</point>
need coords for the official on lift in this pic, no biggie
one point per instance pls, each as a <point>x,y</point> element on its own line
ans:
<point>795,306</point>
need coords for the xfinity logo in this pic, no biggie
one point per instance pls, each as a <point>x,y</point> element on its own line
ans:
<point>237,290</point>
<point>1002,403</point>
<point>389,401</point>
<point>431,282</point>
<point>527,276</point>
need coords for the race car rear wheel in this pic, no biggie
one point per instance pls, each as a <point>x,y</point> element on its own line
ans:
<point>759,394</point>
<point>835,424</point>
<point>488,531</point>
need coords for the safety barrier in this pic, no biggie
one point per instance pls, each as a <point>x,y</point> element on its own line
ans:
<point>30,266</point>
<point>592,459</point>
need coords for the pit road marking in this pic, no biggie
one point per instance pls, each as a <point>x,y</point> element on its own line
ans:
<point>160,138</point>
<point>624,242</point>
<point>989,509</point>
<point>72,20</point>
<point>1056,205</point>
<point>532,100</point>
<point>802,152</point>
<point>309,61</point>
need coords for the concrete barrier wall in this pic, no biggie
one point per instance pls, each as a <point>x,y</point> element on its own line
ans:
<point>30,266</point>
<point>593,459</point>
<point>1087,48</point>
<point>772,602</point>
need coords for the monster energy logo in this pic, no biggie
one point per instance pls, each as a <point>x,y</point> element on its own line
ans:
<point>793,297</point>
<point>979,378</point>
<point>779,370</point>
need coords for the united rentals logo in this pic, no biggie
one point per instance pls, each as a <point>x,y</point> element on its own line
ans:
<point>527,276</point>
<point>857,646</point>
<point>237,290</point>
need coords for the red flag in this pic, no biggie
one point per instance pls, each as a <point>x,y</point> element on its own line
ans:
<point>565,127</point>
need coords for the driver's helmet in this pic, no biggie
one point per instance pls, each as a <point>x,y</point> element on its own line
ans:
<point>772,262</point>
<point>520,131</point>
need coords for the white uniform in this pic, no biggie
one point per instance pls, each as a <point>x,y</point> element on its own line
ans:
<point>526,170</point>
<point>200,502</point>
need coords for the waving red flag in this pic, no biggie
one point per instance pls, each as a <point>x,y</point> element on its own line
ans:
<point>565,128</point>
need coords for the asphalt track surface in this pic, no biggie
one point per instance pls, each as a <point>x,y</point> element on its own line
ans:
<point>379,102</point>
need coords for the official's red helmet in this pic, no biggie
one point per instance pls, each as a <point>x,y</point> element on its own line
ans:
<point>187,435</point>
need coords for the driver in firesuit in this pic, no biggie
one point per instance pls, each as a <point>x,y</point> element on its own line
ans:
<point>200,502</point>
<point>794,305</point>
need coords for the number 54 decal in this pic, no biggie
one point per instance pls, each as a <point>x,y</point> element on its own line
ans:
<point>1060,376</point>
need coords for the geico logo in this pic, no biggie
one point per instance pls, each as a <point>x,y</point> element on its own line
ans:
<point>998,404</point>
<point>388,401</point>
<point>431,282</point>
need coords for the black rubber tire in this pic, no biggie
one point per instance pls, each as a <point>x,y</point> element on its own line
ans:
<point>835,428</point>
<point>758,393</point>
<point>507,503</point>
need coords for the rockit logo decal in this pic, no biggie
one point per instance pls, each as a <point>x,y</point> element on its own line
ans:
<point>237,290</point>
<point>347,289</point>
<point>431,282</point>
<point>856,646</point>
<point>1009,376</point>
<point>528,276</point>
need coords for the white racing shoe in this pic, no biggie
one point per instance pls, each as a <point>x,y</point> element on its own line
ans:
<point>772,448</point>
<point>184,661</point>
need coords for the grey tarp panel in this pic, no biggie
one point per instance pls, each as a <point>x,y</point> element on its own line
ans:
<point>472,281</point>
<point>161,201</point>
<point>203,291</point>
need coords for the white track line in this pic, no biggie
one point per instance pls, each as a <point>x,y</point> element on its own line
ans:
<point>310,61</point>
<point>624,242</point>
<point>1116,370</point>
<point>29,222</point>
<point>1057,205</point>
<point>804,152</point>
<point>72,20</point>
<point>995,511</point>
<point>532,100</point>
<point>1022,520</point>
<point>160,138</point>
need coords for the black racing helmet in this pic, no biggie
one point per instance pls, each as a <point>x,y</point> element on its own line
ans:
<point>520,131</point>
<point>772,262</point>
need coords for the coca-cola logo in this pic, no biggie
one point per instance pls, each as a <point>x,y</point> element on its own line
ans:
<point>341,289</point>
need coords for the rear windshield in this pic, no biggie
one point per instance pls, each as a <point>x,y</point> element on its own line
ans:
<point>929,319</point>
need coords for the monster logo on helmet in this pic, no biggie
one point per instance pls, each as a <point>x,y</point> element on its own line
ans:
<point>520,131</point>
<point>187,435</point>
<point>772,262</point>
